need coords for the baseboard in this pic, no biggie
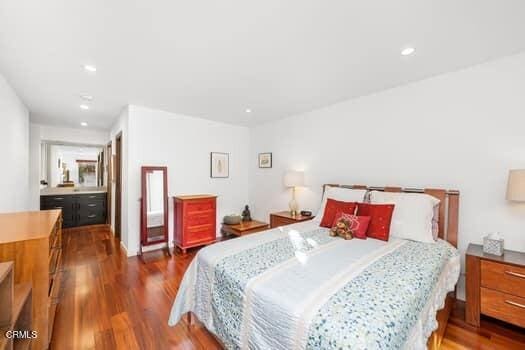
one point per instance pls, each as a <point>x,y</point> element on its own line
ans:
<point>125,249</point>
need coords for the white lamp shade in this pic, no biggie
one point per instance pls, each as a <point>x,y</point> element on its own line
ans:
<point>294,178</point>
<point>516,185</point>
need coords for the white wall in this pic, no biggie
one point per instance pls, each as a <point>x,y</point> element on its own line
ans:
<point>183,144</point>
<point>14,145</point>
<point>462,130</point>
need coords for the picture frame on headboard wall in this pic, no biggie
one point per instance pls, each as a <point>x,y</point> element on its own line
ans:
<point>265,160</point>
<point>219,165</point>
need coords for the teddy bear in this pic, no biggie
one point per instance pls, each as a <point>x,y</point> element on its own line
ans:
<point>342,229</point>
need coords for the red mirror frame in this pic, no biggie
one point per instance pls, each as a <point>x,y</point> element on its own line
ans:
<point>143,207</point>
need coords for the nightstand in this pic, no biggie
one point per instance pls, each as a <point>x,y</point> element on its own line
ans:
<point>244,228</point>
<point>495,286</point>
<point>283,218</point>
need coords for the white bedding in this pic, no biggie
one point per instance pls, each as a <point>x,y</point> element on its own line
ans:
<point>292,291</point>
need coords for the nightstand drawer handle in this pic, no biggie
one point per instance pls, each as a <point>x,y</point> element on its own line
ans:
<point>515,274</point>
<point>515,304</point>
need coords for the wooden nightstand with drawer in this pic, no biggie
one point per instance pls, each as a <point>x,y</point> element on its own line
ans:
<point>283,218</point>
<point>495,286</point>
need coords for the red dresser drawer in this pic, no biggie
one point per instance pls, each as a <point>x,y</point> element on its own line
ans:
<point>202,219</point>
<point>200,233</point>
<point>199,206</point>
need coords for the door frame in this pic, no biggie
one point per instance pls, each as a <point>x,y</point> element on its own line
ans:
<point>109,186</point>
<point>118,186</point>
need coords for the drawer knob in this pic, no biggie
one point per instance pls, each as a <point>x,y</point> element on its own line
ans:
<point>92,205</point>
<point>92,216</point>
<point>515,274</point>
<point>515,304</point>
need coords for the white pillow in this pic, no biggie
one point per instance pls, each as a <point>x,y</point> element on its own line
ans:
<point>413,213</point>
<point>339,194</point>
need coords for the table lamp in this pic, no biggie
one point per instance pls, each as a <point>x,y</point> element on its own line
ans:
<point>293,179</point>
<point>516,185</point>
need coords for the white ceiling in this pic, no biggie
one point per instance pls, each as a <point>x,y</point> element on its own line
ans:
<point>213,59</point>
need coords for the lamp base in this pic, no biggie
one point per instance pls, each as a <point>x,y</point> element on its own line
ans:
<point>293,207</point>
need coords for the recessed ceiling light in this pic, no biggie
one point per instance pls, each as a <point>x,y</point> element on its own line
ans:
<point>90,68</point>
<point>84,107</point>
<point>248,110</point>
<point>83,124</point>
<point>408,51</point>
<point>86,97</point>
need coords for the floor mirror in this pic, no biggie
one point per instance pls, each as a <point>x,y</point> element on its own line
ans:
<point>154,207</point>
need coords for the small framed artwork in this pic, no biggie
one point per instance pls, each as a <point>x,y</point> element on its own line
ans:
<point>220,165</point>
<point>265,160</point>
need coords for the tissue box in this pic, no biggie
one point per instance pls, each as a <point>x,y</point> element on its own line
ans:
<point>493,246</point>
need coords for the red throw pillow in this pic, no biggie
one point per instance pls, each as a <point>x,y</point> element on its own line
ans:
<point>333,207</point>
<point>380,219</point>
<point>356,225</point>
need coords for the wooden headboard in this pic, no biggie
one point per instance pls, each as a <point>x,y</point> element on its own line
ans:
<point>448,206</point>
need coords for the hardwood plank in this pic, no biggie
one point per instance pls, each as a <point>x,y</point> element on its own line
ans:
<point>112,302</point>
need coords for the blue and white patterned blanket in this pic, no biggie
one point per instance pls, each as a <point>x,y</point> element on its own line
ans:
<point>296,287</point>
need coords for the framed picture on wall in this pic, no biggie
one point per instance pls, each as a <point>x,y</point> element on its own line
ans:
<point>265,160</point>
<point>220,165</point>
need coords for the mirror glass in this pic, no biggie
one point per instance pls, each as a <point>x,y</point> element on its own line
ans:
<point>71,165</point>
<point>155,205</point>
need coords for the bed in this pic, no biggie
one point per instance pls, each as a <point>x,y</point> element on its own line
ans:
<point>296,287</point>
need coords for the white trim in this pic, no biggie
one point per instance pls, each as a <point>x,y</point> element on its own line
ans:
<point>126,249</point>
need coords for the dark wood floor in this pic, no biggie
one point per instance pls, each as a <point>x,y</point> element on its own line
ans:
<point>111,302</point>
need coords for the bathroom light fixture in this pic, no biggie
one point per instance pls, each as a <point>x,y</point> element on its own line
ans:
<point>90,68</point>
<point>248,110</point>
<point>84,124</point>
<point>408,51</point>
<point>86,97</point>
<point>84,107</point>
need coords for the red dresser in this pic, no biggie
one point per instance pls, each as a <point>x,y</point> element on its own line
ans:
<point>195,220</point>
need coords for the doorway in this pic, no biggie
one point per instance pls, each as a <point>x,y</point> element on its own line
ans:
<point>109,157</point>
<point>118,185</point>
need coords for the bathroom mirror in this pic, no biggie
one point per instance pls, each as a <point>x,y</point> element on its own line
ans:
<point>154,206</point>
<point>73,165</point>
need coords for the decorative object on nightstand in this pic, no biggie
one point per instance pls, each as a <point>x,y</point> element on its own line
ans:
<point>493,244</point>
<point>246,215</point>
<point>244,228</point>
<point>495,286</point>
<point>284,218</point>
<point>293,179</point>
<point>232,219</point>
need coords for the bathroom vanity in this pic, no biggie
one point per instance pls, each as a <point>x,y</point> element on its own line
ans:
<point>80,207</point>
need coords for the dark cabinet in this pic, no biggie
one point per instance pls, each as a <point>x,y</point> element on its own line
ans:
<point>77,209</point>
